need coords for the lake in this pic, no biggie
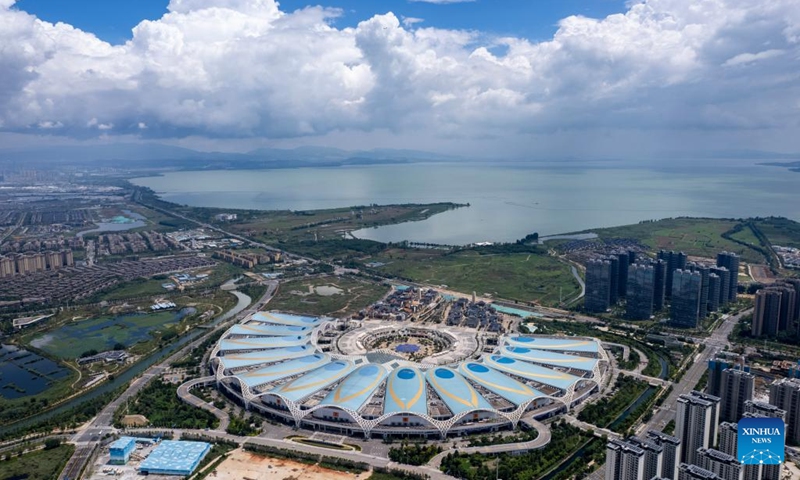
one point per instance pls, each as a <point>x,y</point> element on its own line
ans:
<point>507,201</point>
<point>24,373</point>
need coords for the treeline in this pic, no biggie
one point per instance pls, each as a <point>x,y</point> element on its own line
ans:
<point>485,440</point>
<point>603,412</point>
<point>565,440</point>
<point>159,402</point>
<point>68,419</point>
<point>384,473</point>
<point>239,425</point>
<point>414,453</point>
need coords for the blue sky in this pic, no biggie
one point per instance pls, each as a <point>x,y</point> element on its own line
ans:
<point>112,20</point>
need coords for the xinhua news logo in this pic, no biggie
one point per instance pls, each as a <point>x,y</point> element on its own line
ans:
<point>761,441</point>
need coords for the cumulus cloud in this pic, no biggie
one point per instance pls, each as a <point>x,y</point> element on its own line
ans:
<point>246,69</point>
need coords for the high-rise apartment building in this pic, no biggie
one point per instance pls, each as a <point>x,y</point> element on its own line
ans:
<point>613,292</point>
<point>598,285</point>
<point>724,284</point>
<point>729,438</point>
<point>671,456</point>
<point>737,387</point>
<point>725,466</point>
<point>731,262</point>
<point>693,472</point>
<point>713,292</point>
<point>785,394</point>
<point>767,313</point>
<point>624,461</point>
<point>623,265</point>
<point>659,284</point>
<point>717,364</point>
<point>685,308</point>
<point>696,423</point>
<point>641,279</point>
<point>764,409</point>
<point>705,273</point>
<point>653,456</point>
<point>674,261</point>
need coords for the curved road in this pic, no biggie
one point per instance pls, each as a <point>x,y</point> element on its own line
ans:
<point>185,394</point>
<point>540,441</point>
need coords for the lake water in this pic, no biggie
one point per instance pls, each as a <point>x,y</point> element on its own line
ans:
<point>24,373</point>
<point>507,201</point>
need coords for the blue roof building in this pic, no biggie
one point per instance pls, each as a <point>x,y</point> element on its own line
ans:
<point>174,457</point>
<point>121,450</point>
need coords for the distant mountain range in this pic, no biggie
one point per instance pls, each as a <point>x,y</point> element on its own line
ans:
<point>157,156</point>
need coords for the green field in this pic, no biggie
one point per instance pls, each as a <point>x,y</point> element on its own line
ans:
<point>38,465</point>
<point>75,338</point>
<point>534,277</point>
<point>780,231</point>
<point>302,296</point>
<point>696,236</point>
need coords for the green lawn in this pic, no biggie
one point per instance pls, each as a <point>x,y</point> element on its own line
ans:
<point>295,296</point>
<point>517,276</point>
<point>695,236</point>
<point>38,465</point>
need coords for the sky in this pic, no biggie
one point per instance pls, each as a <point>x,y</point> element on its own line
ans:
<point>591,78</point>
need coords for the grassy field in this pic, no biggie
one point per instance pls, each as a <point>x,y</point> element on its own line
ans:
<point>780,231</point>
<point>519,276</point>
<point>38,465</point>
<point>304,295</point>
<point>696,236</point>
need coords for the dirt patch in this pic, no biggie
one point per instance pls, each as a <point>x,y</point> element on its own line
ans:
<point>762,274</point>
<point>242,465</point>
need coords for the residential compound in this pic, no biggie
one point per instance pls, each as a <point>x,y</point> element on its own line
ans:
<point>24,264</point>
<point>692,289</point>
<point>777,309</point>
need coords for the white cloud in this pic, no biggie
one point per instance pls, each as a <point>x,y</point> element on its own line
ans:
<point>230,69</point>
<point>408,22</point>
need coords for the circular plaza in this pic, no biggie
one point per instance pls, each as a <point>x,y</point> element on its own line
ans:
<point>326,375</point>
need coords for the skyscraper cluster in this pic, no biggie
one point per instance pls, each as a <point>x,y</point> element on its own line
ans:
<point>777,309</point>
<point>693,289</point>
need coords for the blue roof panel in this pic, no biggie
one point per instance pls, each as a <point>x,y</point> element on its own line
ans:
<point>405,392</point>
<point>530,371</point>
<point>455,391</point>
<point>260,343</point>
<point>316,380</point>
<point>262,329</point>
<point>287,319</point>
<point>357,387</point>
<point>557,344</point>
<point>238,360</point>
<point>283,370</point>
<point>494,381</point>
<point>175,457</point>
<point>549,358</point>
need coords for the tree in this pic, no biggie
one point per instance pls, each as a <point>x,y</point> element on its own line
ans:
<point>51,443</point>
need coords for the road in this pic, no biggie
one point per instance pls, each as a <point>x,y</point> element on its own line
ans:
<point>713,344</point>
<point>540,441</point>
<point>185,394</point>
<point>88,438</point>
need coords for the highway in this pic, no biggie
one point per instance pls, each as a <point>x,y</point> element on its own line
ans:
<point>713,344</point>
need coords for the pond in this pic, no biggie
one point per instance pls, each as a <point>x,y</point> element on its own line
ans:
<point>73,339</point>
<point>24,373</point>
